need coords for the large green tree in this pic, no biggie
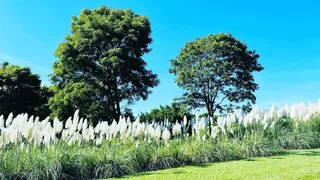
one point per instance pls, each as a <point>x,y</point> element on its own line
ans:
<point>100,65</point>
<point>21,92</point>
<point>216,72</point>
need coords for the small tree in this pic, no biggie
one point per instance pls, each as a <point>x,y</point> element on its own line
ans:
<point>216,72</point>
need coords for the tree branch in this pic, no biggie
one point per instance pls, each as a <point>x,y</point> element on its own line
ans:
<point>218,104</point>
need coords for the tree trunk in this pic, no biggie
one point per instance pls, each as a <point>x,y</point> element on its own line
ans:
<point>118,111</point>
<point>210,113</point>
<point>117,99</point>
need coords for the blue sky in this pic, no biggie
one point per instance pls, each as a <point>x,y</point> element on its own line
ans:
<point>285,34</point>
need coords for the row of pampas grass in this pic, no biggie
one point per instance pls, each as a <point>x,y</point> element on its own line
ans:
<point>33,149</point>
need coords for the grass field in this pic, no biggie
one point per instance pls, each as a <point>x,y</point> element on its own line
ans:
<point>297,164</point>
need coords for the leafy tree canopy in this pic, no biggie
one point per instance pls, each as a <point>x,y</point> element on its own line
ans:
<point>21,92</point>
<point>43,110</point>
<point>216,72</point>
<point>100,64</point>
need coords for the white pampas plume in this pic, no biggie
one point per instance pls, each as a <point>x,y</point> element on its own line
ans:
<point>64,135</point>
<point>265,126</point>
<point>272,124</point>
<point>57,125</point>
<point>157,134</point>
<point>123,128</point>
<point>4,137</point>
<point>36,121</point>
<point>176,129</point>
<point>114,127</point>
<point>27,131</point>
<point>9,120</point>
<point>97,128</point>
<point>138,119</point>
<point>44,123</point>
<point>68,123</point>
<point>214,131</point>
<point>272,114</point>
<point>46,138</point>
<point>76,117</point>
<point>85,124</point>
<point>223,130</point>
<point>185,121</point>
<point>80,124</point>
<point>38,137</point>
<point>91,133</point>
<point>166,122</point>
<point>265,119</point>
<point>71,141</point>
<point>99,140</point>
<point>287,109</point>
<point>1,122</point>
<point>31,119</point>
<point>166,135</point>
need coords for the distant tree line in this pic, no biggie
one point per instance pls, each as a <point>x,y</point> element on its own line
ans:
<point>176,111</point>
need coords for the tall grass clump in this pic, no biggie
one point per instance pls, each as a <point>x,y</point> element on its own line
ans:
<point>34,149</point>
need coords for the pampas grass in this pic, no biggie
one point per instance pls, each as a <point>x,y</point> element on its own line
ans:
<point>34,149</point>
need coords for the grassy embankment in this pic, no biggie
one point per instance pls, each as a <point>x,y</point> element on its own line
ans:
<point>296,164</point>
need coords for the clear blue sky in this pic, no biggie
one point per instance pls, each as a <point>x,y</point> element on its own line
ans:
<point>285,33</point>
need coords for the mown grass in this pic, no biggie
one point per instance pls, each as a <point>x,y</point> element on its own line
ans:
<point>294,164</point>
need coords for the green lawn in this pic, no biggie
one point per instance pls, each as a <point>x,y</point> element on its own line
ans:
<point>303,164</point>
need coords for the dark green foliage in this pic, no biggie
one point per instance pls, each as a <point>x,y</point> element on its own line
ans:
<point>314,124</point>
<point>100,64</point>
<point>116,164</point>
<point>78,96</point>
<point>128,113</point>
<point>162,163</point>
<point>289,134</point>
<point>43,110</point>
<point>21,92</point>
<point>174,112</point>
<point>216,72</point>
<point>72,167</point>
